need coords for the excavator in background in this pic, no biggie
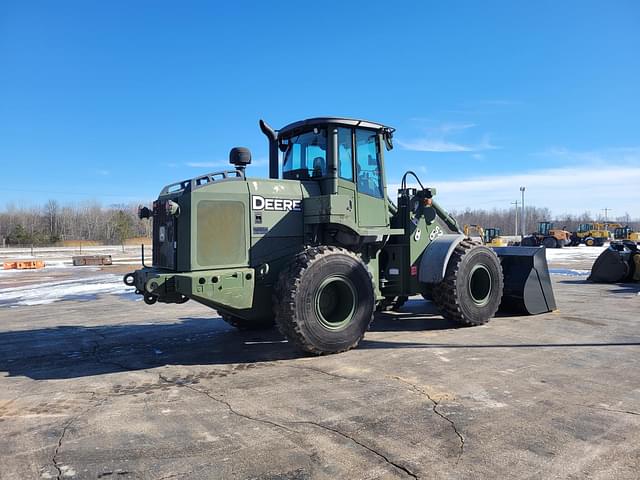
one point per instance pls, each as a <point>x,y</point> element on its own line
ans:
<point>592,234</point>
<point>626,233</point>
<point>547,236</point>
<point>488,236</point>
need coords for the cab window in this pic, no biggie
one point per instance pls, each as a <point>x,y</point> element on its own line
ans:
<point>345,153</point>
<point>306,155</point>
<point>368,163</point>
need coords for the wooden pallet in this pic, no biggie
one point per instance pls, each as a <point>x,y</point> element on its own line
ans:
<point>23,265</point>
<point>82,260</point>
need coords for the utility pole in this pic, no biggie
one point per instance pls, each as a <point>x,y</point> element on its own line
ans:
<point>523,218</point>
<point>516,204</point>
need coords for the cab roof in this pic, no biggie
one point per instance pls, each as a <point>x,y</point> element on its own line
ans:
<point>294,127</point>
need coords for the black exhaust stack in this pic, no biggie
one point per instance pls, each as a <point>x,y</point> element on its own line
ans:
<point>272,135</point>
<point>527,284</point>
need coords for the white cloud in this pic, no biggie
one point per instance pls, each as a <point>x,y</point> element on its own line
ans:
<point>435,140</point>
<point>609,179</point>
<point>104,173</point>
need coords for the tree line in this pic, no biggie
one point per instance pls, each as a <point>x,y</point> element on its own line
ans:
<point>91,221</point>
<point>505,219</point>
<point>52,223</point>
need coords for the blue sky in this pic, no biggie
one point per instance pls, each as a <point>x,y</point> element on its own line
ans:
<point>112,100</point>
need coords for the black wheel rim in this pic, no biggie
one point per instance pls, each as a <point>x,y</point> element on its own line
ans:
<point>480,285</point>
<point>335,302</point>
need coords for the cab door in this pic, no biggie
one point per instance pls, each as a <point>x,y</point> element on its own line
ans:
<point>346,180</point>
<point>369,180</point>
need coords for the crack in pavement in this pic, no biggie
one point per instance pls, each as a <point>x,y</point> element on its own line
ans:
<point>225,403</point>
<point>294,422</point>
<point>358,442</point>
<point>319,370</point>
<point>54,458</point>
<point>67,424</point>
<point>96,355</point>
<point>595,407</point>
<point>420,391</point>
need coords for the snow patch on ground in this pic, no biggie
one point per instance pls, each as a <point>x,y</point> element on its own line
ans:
<point>77,289</point>
<point>574,254</point>
<point>569,272</point>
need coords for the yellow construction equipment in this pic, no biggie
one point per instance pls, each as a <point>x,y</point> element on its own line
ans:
<point>591,234</point>
<point>489,236</point>
<point>548,237</point>
<point>626,233</point>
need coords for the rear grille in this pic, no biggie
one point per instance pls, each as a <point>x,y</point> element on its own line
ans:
<point>164,237</point>
<point>221,235</point>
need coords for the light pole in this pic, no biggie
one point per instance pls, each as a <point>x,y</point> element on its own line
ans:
<point>516,209</point>
<point>523,219</point>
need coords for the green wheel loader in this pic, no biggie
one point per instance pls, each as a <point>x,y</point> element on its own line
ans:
<point>318,245</point>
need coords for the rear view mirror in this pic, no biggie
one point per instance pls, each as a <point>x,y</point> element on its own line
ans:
<point>388,138</point>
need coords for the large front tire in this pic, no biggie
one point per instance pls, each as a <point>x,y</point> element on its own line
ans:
<point>325,300</point>
<point>471,291</point>
<point>550,242</point>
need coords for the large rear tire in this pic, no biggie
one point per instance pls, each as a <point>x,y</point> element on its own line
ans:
<point>590,242</point>
<point>325,300</point>
<point>550,242</point>
<point>471,291</point>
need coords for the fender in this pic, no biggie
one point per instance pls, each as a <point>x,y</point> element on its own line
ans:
<point>435,257</point>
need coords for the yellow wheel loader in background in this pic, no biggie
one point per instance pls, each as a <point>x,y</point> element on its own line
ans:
<point>548,237</point>
<point>591,234</point>
<point>626,233</point>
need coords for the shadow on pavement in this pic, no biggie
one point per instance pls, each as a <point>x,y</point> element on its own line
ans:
<point>372,344</point>
<point>626,289</point>
<point>79,351</point>
<point>576,282</point>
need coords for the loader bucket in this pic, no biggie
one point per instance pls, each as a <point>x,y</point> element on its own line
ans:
<point>616,264</point>
<point>527,284</point>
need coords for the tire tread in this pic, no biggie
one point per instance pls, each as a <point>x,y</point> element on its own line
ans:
<point>445,294</point>
<point>286,290</point>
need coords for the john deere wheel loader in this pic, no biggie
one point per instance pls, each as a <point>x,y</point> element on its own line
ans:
<point>318,244</point>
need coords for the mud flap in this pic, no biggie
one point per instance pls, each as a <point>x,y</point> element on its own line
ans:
<point>527,284</point>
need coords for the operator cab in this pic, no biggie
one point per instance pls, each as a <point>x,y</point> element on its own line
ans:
<point>345,156</point>
<point>304,155</point>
